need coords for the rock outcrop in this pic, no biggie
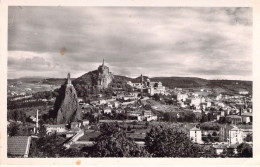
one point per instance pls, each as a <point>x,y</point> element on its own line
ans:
<point>104,76</point>
<point>100,78</point>
<point>66,104</point>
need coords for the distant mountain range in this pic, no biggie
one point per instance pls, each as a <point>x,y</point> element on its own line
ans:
<point>194,82</point>
<point>170,82</point>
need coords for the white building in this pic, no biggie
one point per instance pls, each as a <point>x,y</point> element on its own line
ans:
<point>195,135</point>
<point>194,101</point>
<point>150,87</point>
<point>85,122</point>
<point>102,102</point>
<point>243,92</point>
<point>182,97</point>
<point>107,111</point>
<point>155,88</point>
<point>235,136</point>
<point>55,128</point>
<point>219,97</point>
<point>246,117</point>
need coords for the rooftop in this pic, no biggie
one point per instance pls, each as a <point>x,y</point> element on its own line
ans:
<point>234,116</point>
<point>235,128</point>
<point>18,145</point>
<point>58,125</point>
<point>246,114</point>
<point>194,129</point>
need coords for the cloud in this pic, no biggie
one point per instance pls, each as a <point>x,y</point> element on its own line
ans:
<point>201,42</point>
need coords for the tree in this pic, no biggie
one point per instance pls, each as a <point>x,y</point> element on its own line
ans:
<point>156,97</point>
<point>42,131</point>
<point>249,138</point>
<point>52,146</point>
<point>16,115</point>
<point>170,117</point>
<point>169,142</point>
<point>210,117</point>
<point>244,150</point>
<point>129,128</point>
<point>114,143</point>
<point>13,129</point>
<point>230,152</point>
<point>204,118</point>
<point>214,133</point>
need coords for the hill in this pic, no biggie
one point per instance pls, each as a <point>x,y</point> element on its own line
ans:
<point>26,80</point>
<point>87,83</point>
<point>120,82</point>
<point>53,81</point>
<point>181,82</point>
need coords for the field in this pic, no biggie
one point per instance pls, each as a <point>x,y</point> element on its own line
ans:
<point>31,111</point>
<point>31,87</point>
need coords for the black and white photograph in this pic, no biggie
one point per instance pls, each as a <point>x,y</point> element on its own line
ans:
<point>136,82</point>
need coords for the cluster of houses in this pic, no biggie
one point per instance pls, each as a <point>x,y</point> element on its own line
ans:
<point>234,109</point>
<point>230,136</point>
<point>128,104</point>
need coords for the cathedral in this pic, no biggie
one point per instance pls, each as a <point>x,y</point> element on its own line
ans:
<point>148,86</point>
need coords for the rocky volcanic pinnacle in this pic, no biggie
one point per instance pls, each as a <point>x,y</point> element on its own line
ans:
<point>66,104</point>
<point>104,76</point>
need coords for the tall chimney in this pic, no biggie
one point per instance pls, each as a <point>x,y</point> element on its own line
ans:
<point>37,121</point>
<point>141,83</point>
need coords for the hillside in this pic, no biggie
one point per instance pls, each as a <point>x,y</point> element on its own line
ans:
<point>25,80</point>
<point>53,81</point>
<point>181,82</point>
<point>89,79</point>
<point>231,85</point>
<point>86,84</point>
<point>193,82</point>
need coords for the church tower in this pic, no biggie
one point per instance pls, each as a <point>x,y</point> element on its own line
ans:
<point>68,79</point>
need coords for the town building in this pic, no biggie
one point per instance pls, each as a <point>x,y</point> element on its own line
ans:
<point>219,148</point>
<point>75,125</point>
<point>85,122</point>
<point>234,119</point>
<point>18,146</point>
<point>107,110</point>
<point>195,135</point>
<point>148,86</point>
<point>247,117</point>
<point>55,128</point>
<point>182,97</point>
<point>243,92</point>
<point>235,136</point>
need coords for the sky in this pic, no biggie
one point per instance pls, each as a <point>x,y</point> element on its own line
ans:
<point>210,43</point>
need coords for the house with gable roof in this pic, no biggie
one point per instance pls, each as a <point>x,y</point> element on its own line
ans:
<point>18,146</point>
